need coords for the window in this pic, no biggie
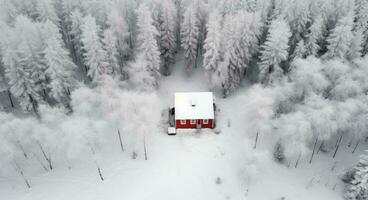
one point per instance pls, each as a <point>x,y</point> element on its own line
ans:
<point>182,121</point>
<point>205,121</point>
<point>192,121</point>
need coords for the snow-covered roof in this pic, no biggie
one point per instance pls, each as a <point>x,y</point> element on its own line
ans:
<point>194,105</point>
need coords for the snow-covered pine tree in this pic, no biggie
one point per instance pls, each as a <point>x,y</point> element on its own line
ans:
<point>179,5</point>
<point>314,36</point>
<point>212,48</point>
<point>274,51</point>
<point>299,51</point>
<point>340,38</point>
<point>60,66</point>
<point>94,54</point>
<point>358,190</point>
<point>120,30</point>
<point>298,16</point>
<point>76,38</point>
<point>23,63</point>
<point>147,44</point>
<point>167,29</point>
<point>230,68</point>
<point>110,46</point>
<point>361,22</point>
<point>189,37</point>
<point>46,11</point>
<point>355,49</point>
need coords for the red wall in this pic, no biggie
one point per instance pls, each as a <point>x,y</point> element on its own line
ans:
<point>188,125</point>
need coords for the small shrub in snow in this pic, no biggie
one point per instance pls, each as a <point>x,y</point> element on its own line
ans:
<point>218,180</point>
<point>349,175</point>
<point>279,153</point>
<point>134,155</point>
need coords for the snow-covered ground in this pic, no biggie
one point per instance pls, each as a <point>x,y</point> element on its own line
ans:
<point>197,165</point>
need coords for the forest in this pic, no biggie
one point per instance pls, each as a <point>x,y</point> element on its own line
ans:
<point>75,73</point>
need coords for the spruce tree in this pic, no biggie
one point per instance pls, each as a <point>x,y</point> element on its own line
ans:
<point>212,47</point>
<point>274,51</point>
<point>94,54</point>
<point>167,28</point>
<point>59,65</point>
<point>341,37</point>
<point>110,45</point>
<point>314,37</point>
<point>76,39</point>
<point>189,37</point>
<point>147,44</point>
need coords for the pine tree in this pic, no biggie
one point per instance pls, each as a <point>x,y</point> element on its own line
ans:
<point>167,28</point>
<point>120,30</point>
<point>355,49</point>
<point>110,46</point>
<point>20,82</point>
<point>340,38</point>
<point>230,68</point>
<point>24,64</point>
<point>298,16</point>
<point>60,67</point>
<point>46,11</point>
<point>299,51</point>
<point>212,47</point>
<point>189,37</point>
<point>274,51</point>
<point>240,43</point>
<point>76,37</point>
<point>147,46</point>
<point>361,22</point>
<point>358,190</point>
<point>94,54</point>
<point>314,37</point>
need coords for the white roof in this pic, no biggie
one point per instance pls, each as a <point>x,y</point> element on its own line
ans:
<point>194,105</point>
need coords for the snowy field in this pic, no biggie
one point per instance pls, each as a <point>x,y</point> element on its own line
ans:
<point>196,165</point>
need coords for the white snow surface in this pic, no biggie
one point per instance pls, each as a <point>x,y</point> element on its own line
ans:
<point>194,105</point>
<point>190,164</point>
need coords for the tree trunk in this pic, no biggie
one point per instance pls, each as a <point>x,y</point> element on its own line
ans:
<point>337,146</point>
<point>145,149</point>
<point>10,99</point>
<point>100,173</point>
<point>314,149</point>
<point>121,143</point>
<point>20,171</point>
<point>255,143</point>
<point>355,148</point>
<point>47,158</point>
<point>297,161</point>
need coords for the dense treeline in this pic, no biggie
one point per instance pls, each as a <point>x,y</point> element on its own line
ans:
<point>47,46</point>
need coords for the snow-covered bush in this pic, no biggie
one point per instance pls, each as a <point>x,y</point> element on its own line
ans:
<point>81,137</point>
<point>358,188</point>
<point>321,99</point>
<point>278,153</point>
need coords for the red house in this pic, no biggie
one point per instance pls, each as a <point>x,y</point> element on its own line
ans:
<point>194,110</point>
